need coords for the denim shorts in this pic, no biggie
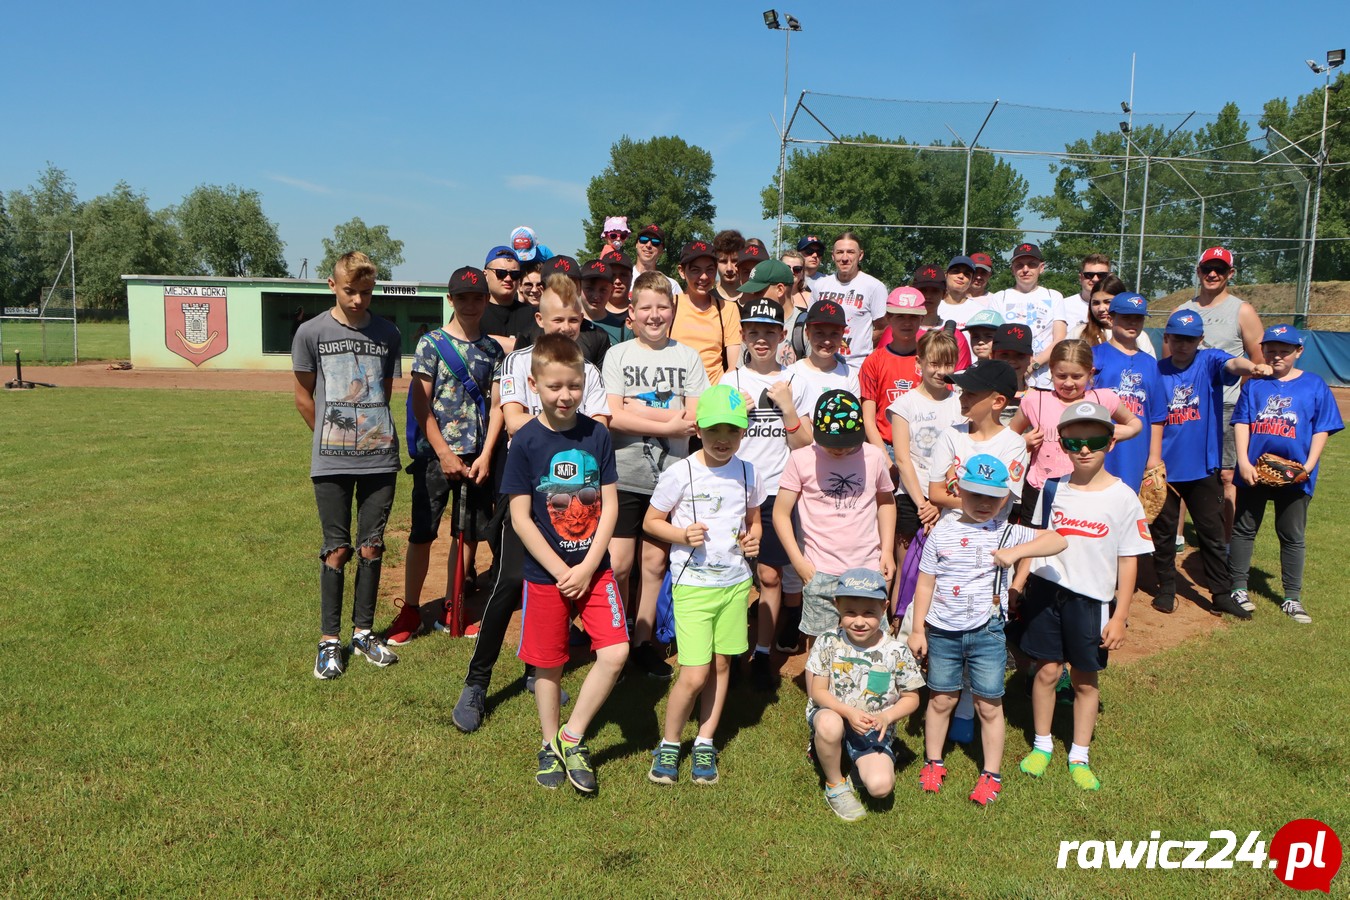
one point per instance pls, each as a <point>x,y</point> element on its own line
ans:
<point>857,745</point>
<point>982,651</point>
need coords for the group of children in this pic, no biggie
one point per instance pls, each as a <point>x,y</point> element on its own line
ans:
<point>973,514</point>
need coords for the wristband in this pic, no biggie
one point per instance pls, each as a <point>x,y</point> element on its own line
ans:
<point>795,428</point>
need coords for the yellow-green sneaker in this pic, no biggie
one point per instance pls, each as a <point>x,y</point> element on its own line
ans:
<point>1035,763</point>
<point>1083,777</point>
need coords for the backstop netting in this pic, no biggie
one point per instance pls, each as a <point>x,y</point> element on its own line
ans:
<point>46,333</point>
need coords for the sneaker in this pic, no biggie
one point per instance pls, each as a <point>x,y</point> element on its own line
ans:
<point>665,764</point>
<point>789,637</point>
<point>931,777</point>
<point>1064,688</point>
<point>328,664</point>
<point>406,625</point>
<point>550,774</point>
<point>1294,610</point>
<point>564,698</point>
<point>1165,603</point>
<point>647,658</point>
<point>986,789</point>
<point>468,712</point>
<point>1181,543</point>
<point>373,649</point>
<point>761,672</point>
<point>577,761</point>
<point>845,803</point>
<point>1244,601</point>
<point>1227,603</point>
<point>1035,763</point>
<point>1083,777</point>
<point>703,768</point>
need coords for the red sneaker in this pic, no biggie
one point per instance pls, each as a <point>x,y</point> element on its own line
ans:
<point>986,789</point>
<point>405,625</point>
<point>932,776</point>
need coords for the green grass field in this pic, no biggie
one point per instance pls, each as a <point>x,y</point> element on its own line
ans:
<point>98,340</point>
<point>161,732</point>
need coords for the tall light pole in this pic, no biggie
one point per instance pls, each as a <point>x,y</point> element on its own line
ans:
<point>771,22</point>
<point>1127,126</point>
<point>1335,58</point>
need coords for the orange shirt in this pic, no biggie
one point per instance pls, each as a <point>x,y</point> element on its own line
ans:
<point>707,331</point>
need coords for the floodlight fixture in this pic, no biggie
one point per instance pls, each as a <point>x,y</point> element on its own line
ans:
<point>1312,64</point>
<point>1335,58</point>
<point>1124,127</point>
<point>771,20</point>
<point>794,25</point>
<point>1125,108</point>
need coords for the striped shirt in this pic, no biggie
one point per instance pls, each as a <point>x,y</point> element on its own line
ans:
<point>957,555</point>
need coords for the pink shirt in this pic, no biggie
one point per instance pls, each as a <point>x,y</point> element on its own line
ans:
<point>1043,410</point>
<point>838,505</point>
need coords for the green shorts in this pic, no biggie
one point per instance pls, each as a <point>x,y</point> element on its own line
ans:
<point>710,620</point>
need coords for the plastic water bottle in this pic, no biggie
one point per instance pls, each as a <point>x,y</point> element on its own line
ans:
<point>963,722</point>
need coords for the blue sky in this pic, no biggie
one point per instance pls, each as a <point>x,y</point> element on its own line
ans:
<point>452,123</point>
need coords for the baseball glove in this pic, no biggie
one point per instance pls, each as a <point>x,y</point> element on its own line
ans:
<point>1153,491</point>
<point>1276,471</point>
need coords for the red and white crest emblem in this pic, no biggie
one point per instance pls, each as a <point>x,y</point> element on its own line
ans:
<point>195,324</point>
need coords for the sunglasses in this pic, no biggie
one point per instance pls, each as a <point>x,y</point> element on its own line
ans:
<point>1213,270</point>
<point>1093,276</point>
<point>614,235</point>
<point>586,496</point>
<point>797,270</point>
<point>531,286</point>
<point>648,239</point>
<point>1074,445</point>
<point>504,274</point>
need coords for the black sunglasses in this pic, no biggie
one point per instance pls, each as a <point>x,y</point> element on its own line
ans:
<point>648,239</point>
<point>797,270</point>
<point>1217,270</point>
<point>504,274</point>
<point>1093,276</point>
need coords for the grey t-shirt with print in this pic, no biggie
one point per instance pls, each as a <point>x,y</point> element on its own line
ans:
<point>353,428</point>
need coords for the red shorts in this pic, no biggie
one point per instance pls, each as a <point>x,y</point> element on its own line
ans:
<point>545,622</point>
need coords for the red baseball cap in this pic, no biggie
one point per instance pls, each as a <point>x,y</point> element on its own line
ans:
<point>983,261</point>
<point>1216,253</point>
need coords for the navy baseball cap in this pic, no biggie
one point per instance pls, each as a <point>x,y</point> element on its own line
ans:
<point>961,261</point>
<point>1185,323</point>
<point>810,240</point>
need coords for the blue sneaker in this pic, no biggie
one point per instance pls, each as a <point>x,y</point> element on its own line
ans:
<point>328,664</point>
<point>373,649</point>
<point>665,764</point>
<point>704,764</point>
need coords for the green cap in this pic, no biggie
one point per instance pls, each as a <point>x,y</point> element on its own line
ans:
<point>722,404</point>
<point>770,271</point>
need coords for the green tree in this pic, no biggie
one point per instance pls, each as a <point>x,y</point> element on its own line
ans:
<point>42,217</point>
<point>9,258</point>
<point>918,194</point>
<point>373,241</point>
<point>663,181</point>
<point>117,234</point>
<point>225,232</point>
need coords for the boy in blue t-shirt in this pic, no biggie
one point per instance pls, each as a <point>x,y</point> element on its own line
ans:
<point>560,476</point>
<point>1192,448</point>
<point>1133,374</point>
<point>1291,415</point>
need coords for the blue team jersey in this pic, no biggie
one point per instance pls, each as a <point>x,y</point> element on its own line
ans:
<point>1284,415</point>
<point>1136,380</point>
<point>1192,444</point>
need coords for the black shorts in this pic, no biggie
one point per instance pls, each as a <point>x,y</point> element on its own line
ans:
<point>632,510</point>
<point>907,522</point>
<point>1059,625</point>
<point>1024,509</point>
<point>771,552</point>
<point>431,494</point>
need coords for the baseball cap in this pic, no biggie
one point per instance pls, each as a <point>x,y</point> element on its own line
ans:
<point>569,472</point>
<point>1282,334</point>
<point>1027,250</point>
<point>961,261</point>
<point>985,318</point>
<point>906,300</point>
<point>1013,336</point>
<point>762,311</point>
<point>597,270</point>
<point>986,375</point>
<point>1185,323</point>
<point>467,280</point>
<point>838,420</point>
<point>1128,304</point>
<point>985,474</point>
<point>617,260</point>
<point>562,265</point>
<point>1087,412</point>
<point>694,249</point>
<point>1217,254</point>
<point>500,252</point>
<point>655,231</point>
<point>810,240</point>
<point>616,223</point>
<point>862,583</point>
<point>752,253</point>
<point>928,276</point>
<point>524,243</point>
<point>982,261</point>
<point>722,404</point>
<point>770,271</point>
<point>825,312</point>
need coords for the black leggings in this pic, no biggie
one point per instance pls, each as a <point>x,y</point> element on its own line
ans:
<point>509,565</point>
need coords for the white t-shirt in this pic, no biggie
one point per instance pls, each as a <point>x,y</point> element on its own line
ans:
<point>1071,310</point>
<point>811,383</point>
<point>1100,527</point>
<point>514,386</point>
<point>955,446</point>
<point>1034,309</point>
<point>765,443</point>
<point>957,554</point>
<point>691,492</point>
<point>927,420</point>
<point>675,289</point>
<point>960,313</point>
<point>863,300</point>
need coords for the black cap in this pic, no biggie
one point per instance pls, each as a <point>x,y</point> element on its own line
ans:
<point>655,231</point>
<point>752,253</point>
<point>838,421</point>
<point>1027,250</point>
<point>762,311</point>
<point>986,375</point>
<point>825,312</point>
<point>1013,336</point>
<point>694,249</point>
<point>562,265</point>
<point>597,270</point>
<point>467,280</point>
<point>617,261</point>
<point>928,276</point>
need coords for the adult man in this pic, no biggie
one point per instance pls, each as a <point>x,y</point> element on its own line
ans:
<point>812,249</point>
<point>979,282</point>
<point>1231,325</point>
<point>1073,309</point>
<point>862,297</point>
<point>503,275</point>
<point>728,246</point>
<point>1031,305</point>
<point>651,242</point>
<point>956,305</point>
